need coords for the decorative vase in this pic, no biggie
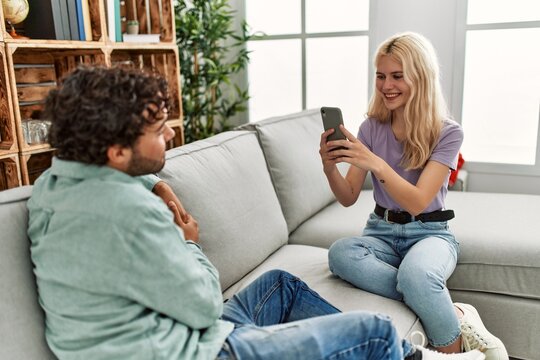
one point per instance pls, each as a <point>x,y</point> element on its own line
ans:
<point>132,28</point>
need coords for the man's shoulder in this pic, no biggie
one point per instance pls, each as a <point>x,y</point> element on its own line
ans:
<point>118,200</point>
<point>110,199</point>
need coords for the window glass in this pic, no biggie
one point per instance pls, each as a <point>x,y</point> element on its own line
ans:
<point>275,78</point>
<point>274,17</point>
<point>497,11</point>
<point>501,95</point>
<point>337,70</point>
<point>338,15</point>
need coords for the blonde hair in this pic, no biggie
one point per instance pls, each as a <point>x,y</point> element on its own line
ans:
<point>425,109</point>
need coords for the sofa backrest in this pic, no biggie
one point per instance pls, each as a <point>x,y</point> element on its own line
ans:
<point>224,183</point>
<point>291,148</point>
<point>21,318</point>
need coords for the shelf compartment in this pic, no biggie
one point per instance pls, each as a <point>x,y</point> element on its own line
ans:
<point>8,134</point>
<point>34,164</point>
<point>34,71</point>
<point>163,61</point>
<point>40,16</point>
<point>10,174</point>
<point>154,16</point>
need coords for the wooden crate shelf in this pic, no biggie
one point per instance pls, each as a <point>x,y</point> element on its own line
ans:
<point>10,174</point>
<point>30,68</point>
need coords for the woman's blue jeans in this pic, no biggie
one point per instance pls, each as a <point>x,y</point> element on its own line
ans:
<point>409,262</point>
<point>279,317</point>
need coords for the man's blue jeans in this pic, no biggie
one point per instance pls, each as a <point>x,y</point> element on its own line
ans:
<point>279,317</point>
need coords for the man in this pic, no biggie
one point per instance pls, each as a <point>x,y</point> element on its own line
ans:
<point>120,274</point>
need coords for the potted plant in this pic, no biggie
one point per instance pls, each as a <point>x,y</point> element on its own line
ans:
<point>132,27</point>
<point>210,52</point>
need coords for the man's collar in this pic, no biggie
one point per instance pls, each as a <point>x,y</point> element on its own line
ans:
<point>79,170</point>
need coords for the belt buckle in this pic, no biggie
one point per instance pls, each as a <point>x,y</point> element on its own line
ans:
<point>386,216</point>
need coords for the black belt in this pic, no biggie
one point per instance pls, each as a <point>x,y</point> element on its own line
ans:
<point>403,217</point>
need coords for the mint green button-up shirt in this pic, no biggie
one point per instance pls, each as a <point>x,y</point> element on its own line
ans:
<point>115,276</point>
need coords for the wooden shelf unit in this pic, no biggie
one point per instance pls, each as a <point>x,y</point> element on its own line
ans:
<point>29,68</point>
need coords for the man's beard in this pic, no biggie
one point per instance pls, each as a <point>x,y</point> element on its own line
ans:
<point>140,165</point>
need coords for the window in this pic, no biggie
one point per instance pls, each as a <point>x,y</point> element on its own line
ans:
<point>313,53</point>
<point>500,107</point>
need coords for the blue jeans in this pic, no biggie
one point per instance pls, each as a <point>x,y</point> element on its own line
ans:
<point>279,317</point>
<point>409,262</point>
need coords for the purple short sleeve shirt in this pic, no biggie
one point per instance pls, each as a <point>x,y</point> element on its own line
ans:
<point>380,139</point>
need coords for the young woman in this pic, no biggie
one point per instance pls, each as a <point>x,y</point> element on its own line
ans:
<point>409,144</point>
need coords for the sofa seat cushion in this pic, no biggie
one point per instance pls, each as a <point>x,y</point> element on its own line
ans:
<point>22,334</point>
<point>310,263</point>
<point>224,184</point>
<point>334,222</point>
<point>500,249</point>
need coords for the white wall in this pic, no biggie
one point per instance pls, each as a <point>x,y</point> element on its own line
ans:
<point>435,19</point>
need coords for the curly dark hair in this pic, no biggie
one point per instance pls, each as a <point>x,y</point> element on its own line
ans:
<point>96,107</point>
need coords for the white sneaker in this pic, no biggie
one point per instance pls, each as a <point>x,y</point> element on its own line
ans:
<point>435,355</point>
<point>474,335</point>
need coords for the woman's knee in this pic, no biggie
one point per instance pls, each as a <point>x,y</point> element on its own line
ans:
<point>343,251</point>
<point>418,281</point>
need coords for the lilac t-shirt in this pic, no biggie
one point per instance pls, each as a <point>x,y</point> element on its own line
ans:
<point>380,139</point>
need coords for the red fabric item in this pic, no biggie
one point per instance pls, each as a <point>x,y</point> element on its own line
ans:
<point>454,173</point>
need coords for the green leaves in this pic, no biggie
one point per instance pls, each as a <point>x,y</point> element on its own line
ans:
<point>210,52</point>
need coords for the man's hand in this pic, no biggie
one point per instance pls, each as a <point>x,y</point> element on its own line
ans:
<point>187,223</point>
<point>164,191</point>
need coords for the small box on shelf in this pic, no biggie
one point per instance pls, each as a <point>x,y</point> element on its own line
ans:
<point>10,174</point>
<point>141,38</point>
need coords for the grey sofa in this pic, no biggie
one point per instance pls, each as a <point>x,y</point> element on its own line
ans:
<point>262,202</point>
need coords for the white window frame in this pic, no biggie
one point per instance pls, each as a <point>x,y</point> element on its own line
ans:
<point>459,81</point>
<point>303,37</point>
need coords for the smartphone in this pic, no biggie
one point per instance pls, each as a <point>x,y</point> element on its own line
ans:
<point>332,118</point>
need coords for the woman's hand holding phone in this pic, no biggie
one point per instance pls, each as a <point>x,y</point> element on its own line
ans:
<point>339,145</point>
<point>332,123</point>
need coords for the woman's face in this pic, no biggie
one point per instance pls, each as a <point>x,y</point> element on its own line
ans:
<point>390,83</point>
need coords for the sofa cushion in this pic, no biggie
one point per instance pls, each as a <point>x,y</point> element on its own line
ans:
<point>500,249</point>
<point>224,183</point>
<point>310,263</point>
<point>334,222</point>
<point>291,147</point>
<point>22,323</point>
